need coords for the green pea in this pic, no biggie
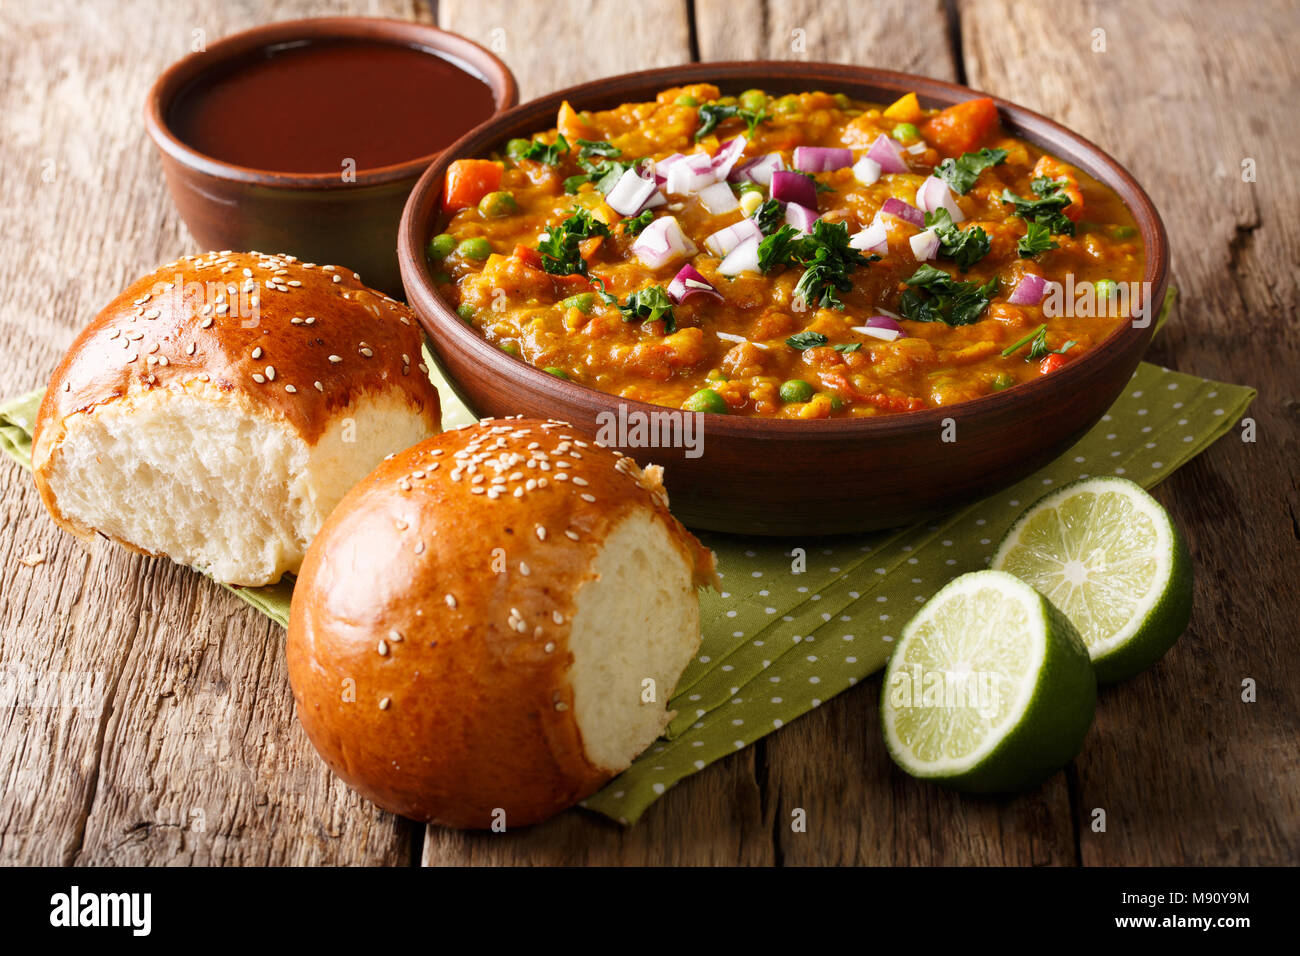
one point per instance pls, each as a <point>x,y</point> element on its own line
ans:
<point>475,248</point>
<point>904,132</point>
<point>556,371</point>
<point>466,311</point>
<point>836,402</point>
<point>686,100</point>
<point>515,149</point>
<point>787,104</point>
<point>717,375</point>
<point>796,390</point>
<point>498,205</point>
<point>440,247</point>
<point>754,100</point>
<point>706,400</point>
<point>510,348</point>
<point>1106,289</point>
<point>1002,381</point>
<point>583,301</point>
<point>1123,232</point>
<point>842,101</point>
<point>750,188</point>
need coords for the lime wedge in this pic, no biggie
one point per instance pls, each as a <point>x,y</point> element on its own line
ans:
<point>1106,553</point>
<point>989,689</point>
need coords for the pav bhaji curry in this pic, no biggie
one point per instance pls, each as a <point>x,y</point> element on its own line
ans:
<point>798,256</point>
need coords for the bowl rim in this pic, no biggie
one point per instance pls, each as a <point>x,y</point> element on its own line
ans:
<point>409,33</point>
<point>422,208</point>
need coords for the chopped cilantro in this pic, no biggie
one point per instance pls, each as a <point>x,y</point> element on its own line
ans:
<point>935,296</point>
<point>1046,209</point>
<point>1038,347</point>
<point>848,347</point>
<point>648,305</point>
<point>1036,240</point>
<point>826,257</point>
<point>560,255</point>
<point>633,226</point>
<point>597,147</point>
<point>962,172</point>
<point>806,340</point>
<point>548,153</point>
<point>769,216</point>
<point>711,114</point>
<point>964,246</point>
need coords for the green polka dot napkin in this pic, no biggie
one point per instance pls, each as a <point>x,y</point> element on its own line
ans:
<point>799,621</point>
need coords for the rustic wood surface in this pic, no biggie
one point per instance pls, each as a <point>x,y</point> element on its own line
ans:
<point>184,749</point>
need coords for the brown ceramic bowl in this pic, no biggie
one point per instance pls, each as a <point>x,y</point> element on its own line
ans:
<point>784,477</point>
<point>315,216</point>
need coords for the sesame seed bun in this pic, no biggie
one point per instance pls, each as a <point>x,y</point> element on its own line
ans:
<point>489,627</point>
<point>218,409</point>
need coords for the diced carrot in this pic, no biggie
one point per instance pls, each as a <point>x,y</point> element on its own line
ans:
<point>468,181</point>
<point>589,247</point>
<point>905,109</point>
<point>528,256</point>
<point>1053,168</point>
<point>572,126</point>
<point>962,127</point>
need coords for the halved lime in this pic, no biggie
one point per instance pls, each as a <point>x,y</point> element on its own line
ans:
<point>990,688</point>
<point>1106,553</point>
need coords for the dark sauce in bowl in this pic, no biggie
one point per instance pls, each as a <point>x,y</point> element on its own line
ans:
<point>312,107</point>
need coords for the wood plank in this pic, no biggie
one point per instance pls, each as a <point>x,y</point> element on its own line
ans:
<point>549,46</point>
<point>889,34</point>
<point>714,817</point>
<point>831,763</point>
<point>195,725</point>
<point>1183,94</point>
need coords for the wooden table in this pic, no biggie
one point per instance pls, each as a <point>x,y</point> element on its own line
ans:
<point>194,756</point>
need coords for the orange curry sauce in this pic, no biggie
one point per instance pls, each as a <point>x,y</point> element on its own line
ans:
<point>759,348</point>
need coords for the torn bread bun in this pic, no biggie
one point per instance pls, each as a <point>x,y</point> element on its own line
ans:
<point>219,408</point>
<point>489,627</point>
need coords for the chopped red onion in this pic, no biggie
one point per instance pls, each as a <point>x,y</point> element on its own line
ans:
<point>801,217</point>
<point>885,335</point>
<point>718,198</point>
<point>925,245</point>
<point>727,157</point>
<point>866,170</point>
<point>743,258</point>
<point>1028,291</point>
<point>821,159</point>
<point>884,322</point>
<point>888,154</point>
<point>723,241</point>
<point>630,193</point>
<point>665,164</point>
<point>904,211</point>
<point>794,187</point>
<point>934,195</point>
<point>661,242</point>
<point>758,170</point>
<point>687,283</point>
<point>690,174</point>
<point>875,238</point>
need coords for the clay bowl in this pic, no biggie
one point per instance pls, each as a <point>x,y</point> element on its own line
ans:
<point>785,477</point>
<point>315,216</point>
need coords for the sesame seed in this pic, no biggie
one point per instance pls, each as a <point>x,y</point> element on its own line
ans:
<point>523,568</point>
<point>206,322</point>
<point>189,349</point>
<point>541,533</point>
<point>419,548</point>
<point>590,499</point>
<point>368,353</point>
<point>571,535</point>
<point>336,359</point>
<point>383,704</point>
<point>578,480</point>
<point>290,389</point>
<point>319,386</point>
<point>550,647</point>
<point>270,375</point>
<point>257,352</point>
<point>395,636</point>
<point>259,379</point>
<point>557,617</point>
<point>561,705</point>
<point>383,648</point>
<point>451,600</point>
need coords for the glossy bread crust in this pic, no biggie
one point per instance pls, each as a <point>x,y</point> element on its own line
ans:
<point>302,341</point>
<point>428,637</point>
